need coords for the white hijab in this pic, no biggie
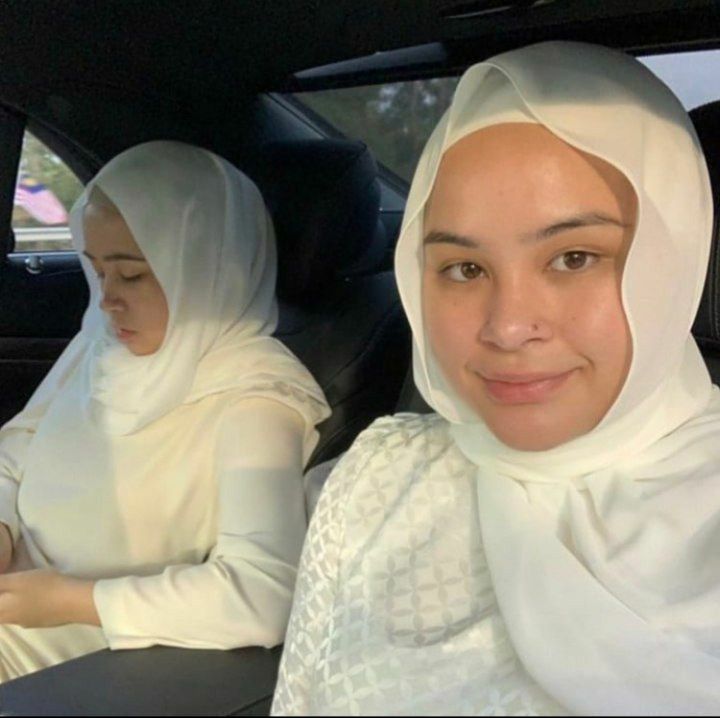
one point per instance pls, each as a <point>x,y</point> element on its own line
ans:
<point>604,551</point>
<point>204,229</point>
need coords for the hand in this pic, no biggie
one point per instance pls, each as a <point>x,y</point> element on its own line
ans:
<point>6,548</point>
<point>42,598</point>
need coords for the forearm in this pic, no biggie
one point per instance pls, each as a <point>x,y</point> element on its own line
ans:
<point>220,604</point>
<point>42,598</point>
<point>77,604</point>
<point>242,594</point>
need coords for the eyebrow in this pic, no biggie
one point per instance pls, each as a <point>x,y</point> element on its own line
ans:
<point>587,219</point>
<point>118,256</point>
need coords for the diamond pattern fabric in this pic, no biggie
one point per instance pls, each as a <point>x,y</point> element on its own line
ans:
<point>394,610</point>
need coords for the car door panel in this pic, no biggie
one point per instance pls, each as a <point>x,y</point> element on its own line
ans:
<point>41,300</point>
<point>39,314</point>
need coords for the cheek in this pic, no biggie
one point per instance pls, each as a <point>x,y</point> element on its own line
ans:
<point>160,308</point>
<point>597,328</point>
<point>452,325</point>
<point>151,307</point>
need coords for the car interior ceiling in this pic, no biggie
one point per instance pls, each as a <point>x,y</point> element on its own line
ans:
<point>176,72</point>
<point>128,72</point>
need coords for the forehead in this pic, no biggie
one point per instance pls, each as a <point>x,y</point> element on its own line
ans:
<point>106,232</point>
<point>522,175</point>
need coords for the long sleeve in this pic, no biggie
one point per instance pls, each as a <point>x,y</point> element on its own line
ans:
<point>14,443</point>
<point>241,595</point>
<point>311,619</point>
<point>17,434</point>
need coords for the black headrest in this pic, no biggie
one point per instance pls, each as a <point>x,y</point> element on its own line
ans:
<point>707,323</point>
<point>324,197</point>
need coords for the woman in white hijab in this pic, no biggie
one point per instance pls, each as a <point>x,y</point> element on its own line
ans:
<point>152,487</point>
<point>547,542</point>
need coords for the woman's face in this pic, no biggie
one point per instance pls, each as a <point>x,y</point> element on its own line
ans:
<point>525,244</point>
<point>131,296</point>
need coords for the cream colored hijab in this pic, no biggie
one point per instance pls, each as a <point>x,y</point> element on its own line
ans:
<point>605,551</point>
<point>204,229</point>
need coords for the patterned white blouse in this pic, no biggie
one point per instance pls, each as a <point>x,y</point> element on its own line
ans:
<point>394,610</point>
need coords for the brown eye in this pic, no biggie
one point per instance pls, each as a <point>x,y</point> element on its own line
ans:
<point>470,270</point>
<point>574,261</point>
<point>463,271</point>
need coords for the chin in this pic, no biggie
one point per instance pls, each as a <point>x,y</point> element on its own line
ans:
<point>530,443</point>
<point>533,432</point>
<point>143,348</point>
<point>140,351</point>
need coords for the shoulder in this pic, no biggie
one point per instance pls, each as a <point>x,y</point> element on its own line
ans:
<point>253,425</point>
<point>401,470</point>
<point>404,432</point>
<point>390,447</point>
<point>232,405</point>
<point>309,405</point>
<point>402,435</point>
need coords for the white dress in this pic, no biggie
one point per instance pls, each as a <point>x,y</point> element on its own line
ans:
<point>193,524</point>
<point>394,611</point>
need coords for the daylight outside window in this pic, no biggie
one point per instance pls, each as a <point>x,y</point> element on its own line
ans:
<point>395,120</point>
<point>45,191</point>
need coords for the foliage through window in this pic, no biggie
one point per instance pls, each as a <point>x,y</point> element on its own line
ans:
<point>46,190</point>
<point>395,120</point>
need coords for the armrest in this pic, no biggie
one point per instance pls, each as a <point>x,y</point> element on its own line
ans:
<point>153,681</point>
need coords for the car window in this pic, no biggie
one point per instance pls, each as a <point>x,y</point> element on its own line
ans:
<point>693,76</point>
<point>45,191</point>
<point>395,120</point>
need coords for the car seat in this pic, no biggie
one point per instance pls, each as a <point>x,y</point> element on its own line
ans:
<point>706,328</point>
<point>339,313</point>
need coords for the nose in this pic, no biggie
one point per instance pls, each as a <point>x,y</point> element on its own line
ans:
<point>110,299</point>
<point>515,314</point>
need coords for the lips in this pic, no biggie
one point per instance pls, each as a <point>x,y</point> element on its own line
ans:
<point>531,388</point>
<point>124,334</point>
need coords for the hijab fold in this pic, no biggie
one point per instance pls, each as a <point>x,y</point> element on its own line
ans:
<point>603,551</point>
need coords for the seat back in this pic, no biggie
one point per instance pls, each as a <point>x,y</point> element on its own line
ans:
<point>706,328</point>
<point>340,317</point>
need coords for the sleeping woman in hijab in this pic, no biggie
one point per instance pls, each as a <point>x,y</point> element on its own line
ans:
<point>547,541</point>
<point>151,490</point>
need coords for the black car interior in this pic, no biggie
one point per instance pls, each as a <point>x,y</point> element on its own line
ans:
<point>339,310</point>
<point>91,79</point>
<point>706,329</point>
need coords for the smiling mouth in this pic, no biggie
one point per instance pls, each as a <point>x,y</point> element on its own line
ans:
<point>524,388</point>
